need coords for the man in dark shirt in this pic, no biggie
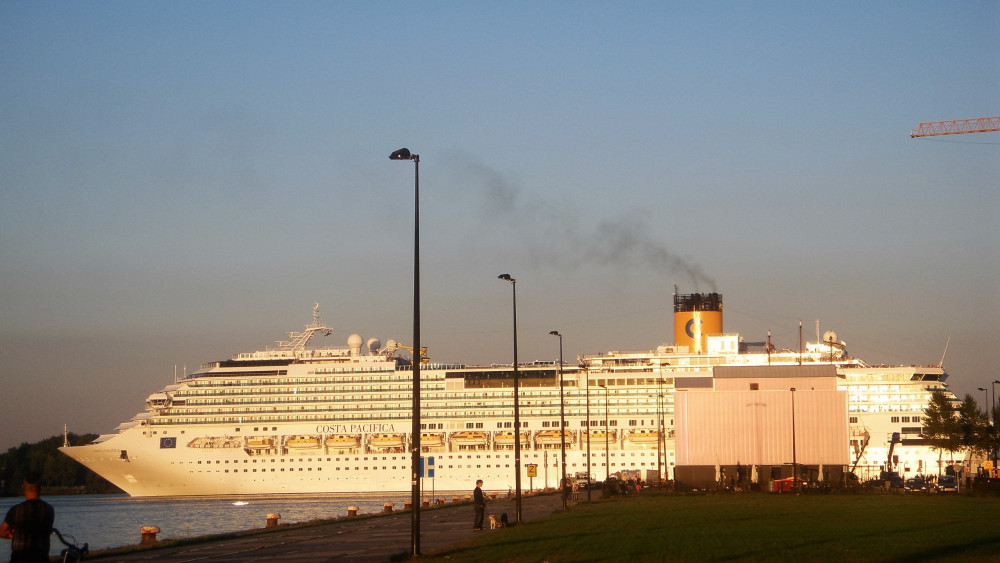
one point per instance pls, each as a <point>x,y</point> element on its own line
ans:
<point>28,525</point>
<point>479,502</point>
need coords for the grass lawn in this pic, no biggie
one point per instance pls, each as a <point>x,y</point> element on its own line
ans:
<point>753,527</point>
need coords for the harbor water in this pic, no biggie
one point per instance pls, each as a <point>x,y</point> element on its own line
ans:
<point>106,521</point>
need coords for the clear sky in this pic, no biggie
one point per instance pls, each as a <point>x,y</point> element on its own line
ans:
<point>181,181</point>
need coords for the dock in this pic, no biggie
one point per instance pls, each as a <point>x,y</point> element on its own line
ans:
<point>363,539</point>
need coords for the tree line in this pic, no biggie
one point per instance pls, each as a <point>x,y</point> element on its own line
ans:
<point>966,427</point>
<point>60,473</point>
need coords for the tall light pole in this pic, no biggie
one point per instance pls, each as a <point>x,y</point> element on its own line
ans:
<point>562,421</point>
<point>587,391</point>
<point>517,408</point>
<point>986,399</point>
<point>405,154</point>
<point>993,409</point>
<point>795,465</point>
<point>993,405</point>
<point>607,431</point>
<point>659,434</point>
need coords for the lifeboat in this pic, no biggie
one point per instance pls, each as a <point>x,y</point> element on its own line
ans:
<point>343,441</point>
<point>468,438</point>
<point>259,443</point>
<point>431,440</point>
<point>303,442</point>
<point>507,438</point>
<point>386,441</point>
<point>552,437</point>
<point>643,436</point>
<point>599,436</point>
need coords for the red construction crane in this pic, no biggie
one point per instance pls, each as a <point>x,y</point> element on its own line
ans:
<point>956,127</point>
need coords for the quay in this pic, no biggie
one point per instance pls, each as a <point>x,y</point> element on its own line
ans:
<point>376,538</point>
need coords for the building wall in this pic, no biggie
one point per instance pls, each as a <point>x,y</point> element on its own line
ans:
<point>755,427</point>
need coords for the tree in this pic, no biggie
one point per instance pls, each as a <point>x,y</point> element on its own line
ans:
<point>973,427</point>
<point>940,428</point>
<point>59,471</point>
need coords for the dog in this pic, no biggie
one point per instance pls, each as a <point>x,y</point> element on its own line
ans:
<point>503,520</point>
<point>493,521</point>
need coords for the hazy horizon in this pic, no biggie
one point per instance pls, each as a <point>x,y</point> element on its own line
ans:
<point>180,182</point>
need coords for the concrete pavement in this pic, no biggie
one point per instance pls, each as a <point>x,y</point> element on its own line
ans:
<point>365,539</point>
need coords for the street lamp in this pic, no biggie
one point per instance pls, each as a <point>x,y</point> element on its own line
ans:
<point>993,405</point>
<point>607,448</point>
<point>795,465</point>
<point>404,154</point>
<point>986,399</point>
<point>993,410</point>
<point>659,434</point>
<point>587,391</point>
<point>517,408</point>
<point>562,419</point>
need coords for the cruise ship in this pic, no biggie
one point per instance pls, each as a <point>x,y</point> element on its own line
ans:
<point>303,419</point>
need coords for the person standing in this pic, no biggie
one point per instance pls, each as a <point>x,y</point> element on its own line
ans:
<point>29,525</point>
<point>479,503</point>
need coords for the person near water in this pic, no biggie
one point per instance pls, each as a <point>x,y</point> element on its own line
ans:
<point>479,503</point>
<point>29,525</point>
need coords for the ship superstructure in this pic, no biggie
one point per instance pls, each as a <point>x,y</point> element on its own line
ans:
<point>338,419</point>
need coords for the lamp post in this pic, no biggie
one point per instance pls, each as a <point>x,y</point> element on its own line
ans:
<point>993,408</point>
<point>404,154</point>
<point>659,435</point>
<point>562,421</point>
<point>607,448</point>
<point>517,408</point>
<point>993,405</point>
<point>587,391</point>
<point>986,399</point>
<point>795,465</point>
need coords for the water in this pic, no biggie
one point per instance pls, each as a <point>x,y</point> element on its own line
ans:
<point>106,521</point>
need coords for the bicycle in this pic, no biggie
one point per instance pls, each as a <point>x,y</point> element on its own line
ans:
<point>73,553</point>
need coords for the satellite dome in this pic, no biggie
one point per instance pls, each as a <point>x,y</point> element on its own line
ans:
<point>830,337</point>
<point>354,342</point>
<point>374,345</point>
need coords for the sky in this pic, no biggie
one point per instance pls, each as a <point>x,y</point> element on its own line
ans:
<point>181,181</point>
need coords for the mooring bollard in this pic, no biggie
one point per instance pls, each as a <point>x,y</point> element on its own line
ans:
<point>272,520</point>
<point>425,503</point>
<point>352,511</point>
<point>387,507</point>
<point>148,535</point>
<point>456,499</point>
<point>440,500</point>
<point>408,505</point>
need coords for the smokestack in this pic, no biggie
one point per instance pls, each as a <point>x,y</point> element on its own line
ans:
<point>696,316</point>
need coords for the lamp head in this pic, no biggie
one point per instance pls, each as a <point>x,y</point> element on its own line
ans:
<point>981,388</point>
<point>403,154</point>
<point>506,277</point>
<point>555,333</point>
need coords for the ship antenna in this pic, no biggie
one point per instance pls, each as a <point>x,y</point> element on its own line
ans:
<point>298,340</point>
<point>941,364</point>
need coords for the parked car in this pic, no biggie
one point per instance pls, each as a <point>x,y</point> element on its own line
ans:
<point>947,484</point>
<point>915,485</point>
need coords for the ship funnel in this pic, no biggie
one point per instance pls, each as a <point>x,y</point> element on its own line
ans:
<point>696,316</point>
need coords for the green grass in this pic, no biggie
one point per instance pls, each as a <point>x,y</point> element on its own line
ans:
<point>753,527</point>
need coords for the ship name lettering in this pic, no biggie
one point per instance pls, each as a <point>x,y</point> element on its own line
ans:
<point>356,428</point>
